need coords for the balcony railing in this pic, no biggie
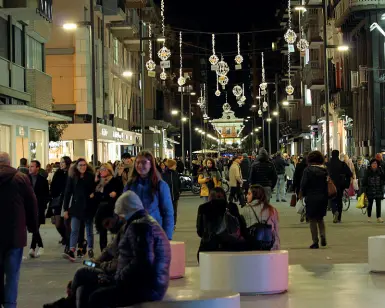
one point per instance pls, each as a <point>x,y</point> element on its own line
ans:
<point>345,7</point>
<point>39,85</point>
<point>314,75</point>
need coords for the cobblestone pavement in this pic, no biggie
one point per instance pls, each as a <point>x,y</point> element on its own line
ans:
<point>43,280</point>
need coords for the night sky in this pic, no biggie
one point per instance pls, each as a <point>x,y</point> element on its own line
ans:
<point>221,16</point>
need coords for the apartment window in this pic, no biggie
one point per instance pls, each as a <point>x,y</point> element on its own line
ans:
<point>4,43</point>
<point>18,46</point>
<point>34,54</point>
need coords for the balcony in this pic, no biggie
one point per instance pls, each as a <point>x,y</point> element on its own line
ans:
<point>29,9</point>
<point>313,36</point>
<point>345,8</point>
<point>127,28</point>
<point>12,81</point>
<point>39,86</point>
<point>314,76</point>
<point>114,10</point>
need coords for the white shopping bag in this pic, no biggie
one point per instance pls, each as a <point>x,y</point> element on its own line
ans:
<point>299,207</point>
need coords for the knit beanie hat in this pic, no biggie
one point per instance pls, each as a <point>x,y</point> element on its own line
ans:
<point>128,204</point>
<point>170,163</point>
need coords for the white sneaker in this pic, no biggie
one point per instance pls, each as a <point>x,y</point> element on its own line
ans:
<point>380,220</point>
<point>39,252</point>
<point>32,253</point>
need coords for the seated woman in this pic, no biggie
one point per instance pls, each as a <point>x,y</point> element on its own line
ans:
<point>259,210</point>
<point>210,221</point>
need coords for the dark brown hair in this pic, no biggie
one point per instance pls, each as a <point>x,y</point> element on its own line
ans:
<point>74,172</point>
<point>217,193</point>
<point>315,158</point>
<point>258,193</point>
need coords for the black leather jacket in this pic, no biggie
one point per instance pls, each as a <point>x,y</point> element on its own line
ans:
<point>144,259</point>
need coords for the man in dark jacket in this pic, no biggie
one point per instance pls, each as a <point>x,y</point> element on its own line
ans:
<point>298,173</point>
<point>142,272</point>
<point>245,169</point>
<point>171,177</point>
<point>280,165</point>
<point>263,173</point>
<point>18,213</point>
<point>341,176</point>
<point>41,189</point>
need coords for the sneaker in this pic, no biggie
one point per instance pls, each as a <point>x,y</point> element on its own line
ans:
<point>314,246</point>
<point>369,219</point>
<point>70,255</point>
<point>335,217</point>
<point>283,200</point>
<point>39,252</point>
<point>90,253</point>
<point>32,253</point>
<point>323,241</point>
<point>80,253</point>
<point>277,200</point>
<point>380,220</point>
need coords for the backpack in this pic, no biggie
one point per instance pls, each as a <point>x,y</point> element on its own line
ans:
<point>229,230</point>
<point>261,235</point>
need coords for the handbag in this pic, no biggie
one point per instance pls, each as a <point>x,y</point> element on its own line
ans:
<point>332,190</point>
<point>293,200</point>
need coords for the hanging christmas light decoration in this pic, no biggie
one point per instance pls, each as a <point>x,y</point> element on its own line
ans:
<point>164,53</point>
<point>302,44</point>
<point>263,85</point>
<point>265,105</point>
<point>218,92</point>
<point>181,79</point>
<point>243,97</point>
<point>163,75</point>
<point>260,113</point>
<point>150,64</point>
<point>289,89</point>
<point>213,58</point>
<point>223,80</point>
<point>290,36</point>
<point>238,57</point>
<point>237,91</point>
<point>223,68</point>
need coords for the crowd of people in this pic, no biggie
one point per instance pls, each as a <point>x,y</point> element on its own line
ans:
<point>136,199</point>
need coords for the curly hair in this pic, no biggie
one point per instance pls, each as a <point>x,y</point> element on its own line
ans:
<point>74,172</point>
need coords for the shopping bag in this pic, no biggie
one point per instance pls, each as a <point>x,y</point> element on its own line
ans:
<point>355,185</point>
<point>351,191</point>
<point>299,207</point>
<point>361,202</point>
<point>293,200</point>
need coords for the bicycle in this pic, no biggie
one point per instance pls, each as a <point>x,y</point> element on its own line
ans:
<point>345,200</point>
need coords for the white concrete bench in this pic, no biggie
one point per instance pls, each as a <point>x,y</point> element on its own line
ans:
<point>178,260</point>
<point>250,272</point>
<point>376,253</point>
<point>177,298</point>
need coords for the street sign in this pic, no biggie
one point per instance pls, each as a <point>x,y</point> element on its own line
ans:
<point>165,64</point>
<point>238,67</point>
<point>291,48</point>
<point>151,74</point>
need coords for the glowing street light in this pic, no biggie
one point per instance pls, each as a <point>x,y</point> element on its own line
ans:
<point>184,119</point>
<point>174,112</point>
<point>70,26</point>
<point>275,113</point>
<point>343,48</point>
<point>127,74</point>
<point>300,8</point>
<point>268,119</point>
<point>285,103</point>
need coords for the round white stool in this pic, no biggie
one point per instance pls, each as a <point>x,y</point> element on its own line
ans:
<point>176,298</point>
<point>178,260</point>
<point>376,253</point>
<point>252,272</point>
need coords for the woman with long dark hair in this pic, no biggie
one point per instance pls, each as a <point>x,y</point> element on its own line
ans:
<point>58,186</point>
<point>79,204</point>
<point>154,193</point>
<point>108,189</point>
<point>209,178</point>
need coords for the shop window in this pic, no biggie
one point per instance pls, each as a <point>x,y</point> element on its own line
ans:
<point>5,138</point>
<point>36,145</point>
<point>34,54</point>
<point>4,42</point>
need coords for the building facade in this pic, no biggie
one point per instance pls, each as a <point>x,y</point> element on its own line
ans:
<point>25,86</point>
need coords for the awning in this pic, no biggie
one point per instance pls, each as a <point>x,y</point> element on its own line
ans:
<point>35,113</point>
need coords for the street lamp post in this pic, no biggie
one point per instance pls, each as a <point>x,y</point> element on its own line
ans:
<point>277,107</point>
<point>93,87</point>
<point>190,128</point>
<point>142,81</point>
<point>182,124</point>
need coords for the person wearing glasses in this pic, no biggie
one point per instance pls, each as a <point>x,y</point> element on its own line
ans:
<point>79,205</point>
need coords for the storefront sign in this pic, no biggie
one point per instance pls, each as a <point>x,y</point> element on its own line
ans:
<point>45,9</point>
<point>22,131</point>
<point>104,132</point>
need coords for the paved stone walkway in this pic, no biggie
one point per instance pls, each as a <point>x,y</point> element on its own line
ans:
<point>43,280</point>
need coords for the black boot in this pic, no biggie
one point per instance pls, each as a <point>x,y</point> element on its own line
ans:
<point>323,241</point>
<point>314,246</point>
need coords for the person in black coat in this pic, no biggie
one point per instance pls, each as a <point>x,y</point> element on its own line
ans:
<point>143,269</point>
<point>171,177</point>
<point>79,204</point>
<point>245,169</point>
<point>58,185</point>
<point>209,218</point>
<point>41,189</point>
<point>341,176</point>
<point>314,190</point>
<point>298,173</point>
<point>263,173</point>
<point>107,191</point>
<point>372,186</point>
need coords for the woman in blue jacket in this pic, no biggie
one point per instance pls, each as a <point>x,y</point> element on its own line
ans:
<point>154,193</point>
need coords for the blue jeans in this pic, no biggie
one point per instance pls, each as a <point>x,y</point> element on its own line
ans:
<point>75,227</point>
<point>10,261</point>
